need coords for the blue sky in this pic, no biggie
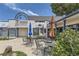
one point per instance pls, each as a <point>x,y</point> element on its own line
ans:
<point>9,10</point>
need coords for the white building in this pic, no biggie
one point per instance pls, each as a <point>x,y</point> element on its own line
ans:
<point>20,28</point>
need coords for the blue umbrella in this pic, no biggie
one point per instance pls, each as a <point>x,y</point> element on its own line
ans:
<point>30,29</point>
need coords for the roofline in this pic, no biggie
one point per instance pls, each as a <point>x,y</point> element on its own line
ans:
<point>3,21</point>
<point>71,14</point>
<point>6,20</point>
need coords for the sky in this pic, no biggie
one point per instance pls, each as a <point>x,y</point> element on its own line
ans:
<point>9,10</point>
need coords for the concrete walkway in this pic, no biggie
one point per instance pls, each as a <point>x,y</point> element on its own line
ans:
<point>17,45</point>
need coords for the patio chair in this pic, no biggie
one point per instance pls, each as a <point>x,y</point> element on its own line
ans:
<point>27,42</point>
<point>24,41</point>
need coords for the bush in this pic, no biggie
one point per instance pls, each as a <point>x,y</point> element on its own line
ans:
<point>67,44</point>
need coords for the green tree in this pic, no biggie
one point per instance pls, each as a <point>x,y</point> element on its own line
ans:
<point>64,8</point>
<point>67,44</point>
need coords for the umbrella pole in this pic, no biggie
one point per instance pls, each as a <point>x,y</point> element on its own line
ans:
<point>30,38</point>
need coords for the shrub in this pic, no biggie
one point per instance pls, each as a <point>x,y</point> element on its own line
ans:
<point>67,44</point>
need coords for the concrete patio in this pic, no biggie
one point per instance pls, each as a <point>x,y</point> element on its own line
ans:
<point>17,45</point>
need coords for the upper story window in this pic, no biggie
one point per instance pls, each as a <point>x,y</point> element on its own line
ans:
<point>39,21</point>
<point>22,22</point>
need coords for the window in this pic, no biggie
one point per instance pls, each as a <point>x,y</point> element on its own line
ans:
<point>41,31</point>
<point>35,31</point>
<point>39,21</point>
<point>44,30</point>
<point>3,32</point>
<point>0,31</point>
<point>12,32</point>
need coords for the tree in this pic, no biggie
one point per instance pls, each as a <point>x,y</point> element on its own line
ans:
<point>64,8</point>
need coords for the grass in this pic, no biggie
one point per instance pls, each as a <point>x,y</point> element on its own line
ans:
<point>19,53</point>
<point>3,38</point>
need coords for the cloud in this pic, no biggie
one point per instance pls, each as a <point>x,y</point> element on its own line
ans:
<point>13,7</point>
<point>30,12</point>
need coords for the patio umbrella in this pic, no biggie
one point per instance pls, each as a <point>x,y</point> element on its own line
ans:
<point>52,32</point>
<point>30,29</point>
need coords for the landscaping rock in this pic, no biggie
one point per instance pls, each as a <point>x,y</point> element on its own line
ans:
<point>8,51</point>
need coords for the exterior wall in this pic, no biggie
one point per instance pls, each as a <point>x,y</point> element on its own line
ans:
<point>22,32</point>
<point>22,23</point>
<point>12,24</point>
<point>20,28</point>
<point>36,28</point>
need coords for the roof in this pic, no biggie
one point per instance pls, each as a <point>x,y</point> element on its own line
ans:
<point>71,14</point>
<point>36,18</point>
<point>39,18</point>
<point>3,24</point>
<point>57,18</point>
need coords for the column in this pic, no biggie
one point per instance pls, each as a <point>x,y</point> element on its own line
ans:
<point>46,29</point>
<point>8,32</point>
<point>64,25</point>
<point>17,32</point>
<point>56,26</point>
